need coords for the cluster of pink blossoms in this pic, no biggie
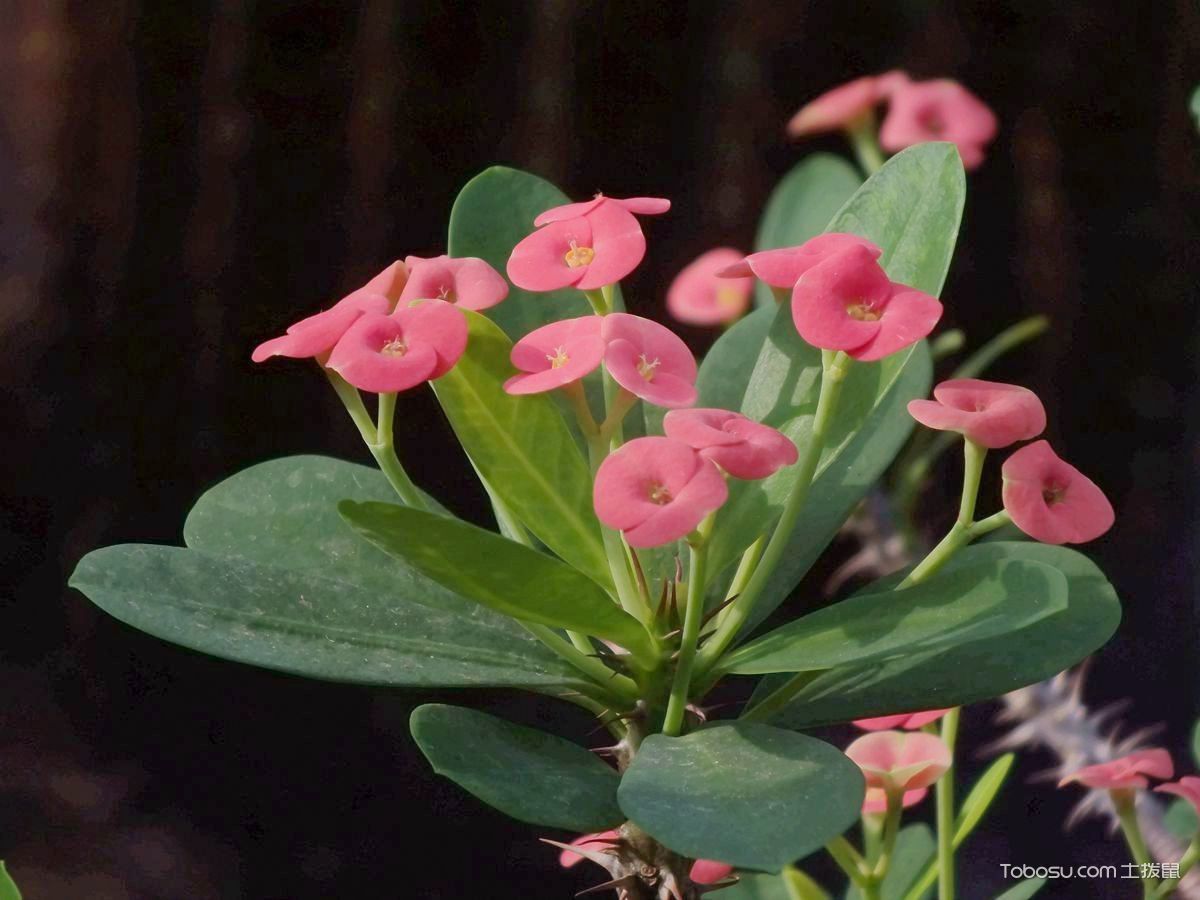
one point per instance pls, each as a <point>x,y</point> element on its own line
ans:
<point>918,112</point>
<point>1047,498</point>
<point>398,330</point>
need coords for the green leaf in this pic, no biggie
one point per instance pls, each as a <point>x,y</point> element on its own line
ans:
<point>309,624</point>
<point>8,888</point>
<point>492,214</point>
<point>527,774</point>
<point>971,672</point>
<point>280,518</point>
<point>1023,890</point>
<point>982,793</point>
<point>726,368</point>
<point>1181,820</point>
<point>802,204</point>
<point>985,600</point>
<point>915,847</point>
<point>1194,105</point>
<point>1196,743</point>
<point>522,447</point>
<point>695,794</point>
<point>501,574</point>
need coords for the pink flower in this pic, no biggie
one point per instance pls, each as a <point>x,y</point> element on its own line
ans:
<point>704,871</point>
<point>742,447</point>
<point>1125,773</point>
<point>317,334</point>
<point>909,721</point>
<point>839,108</point>
<point>386,354</point>
<point>699,296</point>
<point>556,355</point>
<point>1052,501</point>
<point>656,490</point>
<point>468,282</point>
<point>782,268</point>
<point>900,760</point>
<point>649,360</point>
<point>588,245</point>
<point>940,110</point>
<point>1187,787</point>
<point>987,412</point>
<point>848,303</point>
<point>875,800</point>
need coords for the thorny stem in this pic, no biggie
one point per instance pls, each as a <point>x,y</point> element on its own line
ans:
<point>945,811</point>
<point>693,615</point>
<point>836,365</point>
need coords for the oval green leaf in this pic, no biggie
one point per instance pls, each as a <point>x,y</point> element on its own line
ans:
<point>496,572</point>
<point>694,794</point>
<point>524,450</point>
<point>527,774</point>
<point>985,600</point>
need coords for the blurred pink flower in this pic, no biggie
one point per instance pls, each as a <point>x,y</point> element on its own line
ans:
<point>848,303</point>
<point>900,760</point>
<point>556,355</point>
<point>317,334</point>
<point>908,721</point>
<point>704,871</point>
<point>588,245</point>
<point>699,297</point>
<point>987,412</point>
<point>649,360</point>
<point>940,110</point>
<point>467,282</point>
<point>842,107</point>
<point>742,447</point>
<point>875,800</point>
<point>1052,501</point>
<point>656,490</point>
<point>386,354</point>
<point>1187,787</point>
<point>782,268</point>
<point>1127,772</point>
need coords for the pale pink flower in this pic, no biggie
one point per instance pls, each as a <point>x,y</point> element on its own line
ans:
<point>556,355</point>
<point>742,447</point>
<point>588,245</point>
<point>699,296</point>
<point>839,108</point>
<point>848,303</point>
<point>875,800</point>
<point>1187,787</point>
<point>900,760</point>
<point>1052,501</point>
<point>1125,773</point>
<point>467,282</point>
<point>989,413</point>
<point>386,354</point>
<point>316,335</point>
<point>940,110</point>
<point>656,490</point>
<point>649,360</point>
<point>704,871</point>
<point>782,268</point>
<point>907,721</point>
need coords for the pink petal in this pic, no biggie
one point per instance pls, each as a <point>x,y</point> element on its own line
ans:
<point>1187,787</point>
<point>702,494</point>
<point>1127,772</point>
<point>699,297</point>
<point>875,800</point>
<point>940,110</point>
<point>649,360</point>
<point>567,859</point>
<point>469,282</point>
<point>539,262</point>
<point>836,108</point>
<point>1052,501</point>
<point>989,413</point>
<point>621,493</point>
<point>619,244</point>
<point>701,428</point>
<point>318,333</point>
<point>359,359</point>
<point>705,871</point>
<point>921,719</point>
<point>578,339</point>
<point>782,268</point>
<point>438,325</point>
<point>644,206</point>
<point>740,446</point>
<point>568,211</point>
<point>823,296</point>
<point>882,723</point>
<point>904,760</point>
<point>909,316</point>
<point>390,282</point>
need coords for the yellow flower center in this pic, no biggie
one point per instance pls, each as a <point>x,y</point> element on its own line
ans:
<point>395,347</point>
<point>1053,493</point>
<point>728,298</point>
<point>579,256</point>
<point>559,359</point>
<point>445,293</point>
<point>659,494</point>
<point>646,368</point>
<point>863,311</point>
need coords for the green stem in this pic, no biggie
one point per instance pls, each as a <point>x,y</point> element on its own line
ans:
<point>1009,339</point>
<point>891,828</point>
<point>693,615</point>
<point>1186,862</point>
<point>599,302</point>
<point>832,378</point>
<point>617,687</point>
<point>1123,802</point>
<point>800,886</point>
<point>849,861</point>
<point>945,812</point>
<point>872,828</point>
<point>778,698</point>
<point>865,140</point>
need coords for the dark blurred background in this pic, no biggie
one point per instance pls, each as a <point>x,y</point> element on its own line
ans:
<point>182,180</point>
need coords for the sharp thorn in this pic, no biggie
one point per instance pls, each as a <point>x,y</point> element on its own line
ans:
<point>716,610</point>
<point>599,857</point>
<point>624,881</point>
